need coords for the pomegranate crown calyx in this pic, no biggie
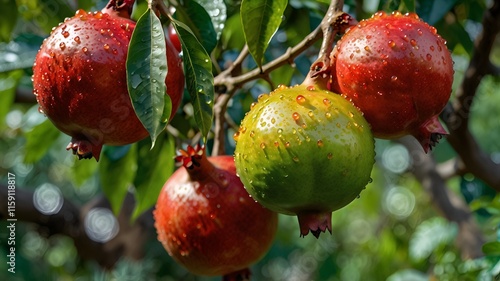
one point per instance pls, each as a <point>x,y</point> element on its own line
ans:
<point>191,157</point>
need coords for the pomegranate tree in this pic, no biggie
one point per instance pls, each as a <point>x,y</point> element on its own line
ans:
<point>304,151</point>
<point>206,220</point>
<point>80,82</point>
<point>398,71</point>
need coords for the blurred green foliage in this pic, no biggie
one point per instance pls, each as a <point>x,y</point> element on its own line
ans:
<point>389,233</point>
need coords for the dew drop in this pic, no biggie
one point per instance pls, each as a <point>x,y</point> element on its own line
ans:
<point>329,156</point>
<point>65,34</point>
<point>432,48</point>
<point>287,144</point>
<point>236,136</point>
<point>394,78</point>
<point>280,131</point>
<point>79,78</point>
<point>392,44</point>
<point>62,46</point>
<point>106,47</point>
<point>351,114</point>
<point>413,42</point>
<point>367,48</point>
<point>310,88</point>
<point>253,105</point>
<point>276,143</point>
<point>85,50</point>
<point>327,102</point>
<point>295,159</point>
<point>328,115</point>
<point>320,143</point>
<point>262,97</point>
<point>300,99</point>
<point>429,57</point>
<point>419,31</point>
<point>262,145</point>
<point>310,113</point>
<point>252,134</point>
<point>296,116</point>
<point>77,39</point>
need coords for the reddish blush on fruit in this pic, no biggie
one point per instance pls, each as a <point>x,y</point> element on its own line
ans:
<point>207,221</point>
<point>397,70</point>
<point>79,79</point>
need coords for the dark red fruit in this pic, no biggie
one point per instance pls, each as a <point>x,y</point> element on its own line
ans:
<point>398,71</point>
<point>79,78</point>
<point>206,220</point>
<point>174,38</point>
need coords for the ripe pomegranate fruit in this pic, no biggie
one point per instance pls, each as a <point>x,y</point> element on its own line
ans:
<point>304,151</point>
<point>206,220</point>
<point>79,79</point>
<point>398,71</point>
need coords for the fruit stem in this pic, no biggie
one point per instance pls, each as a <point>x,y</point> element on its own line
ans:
<point>121,8</point>
<point>334,22</point>
<point>241,275</point>
<point>315,223</point>
<point>195,160</point>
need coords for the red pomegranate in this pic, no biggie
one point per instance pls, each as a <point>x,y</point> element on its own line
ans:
<point>79,79</point>
<point>206,220</point>
<point>398,71</point>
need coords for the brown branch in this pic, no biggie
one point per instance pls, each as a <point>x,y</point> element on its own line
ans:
<point>70,219</point>
<point>470,239</point>
<point>456,114</point>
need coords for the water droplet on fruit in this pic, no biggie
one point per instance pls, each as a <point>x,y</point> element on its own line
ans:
<point>300,99</point>
<point>280,131</point>
<point>106,47</point>
<point>62,46</point>
<point>329,156</point>
<point>413,42</point>
<point>85,49</point>
<point>295,159</point>
<point>252,134</point>
<point>262,145</point>
<point>287,144</point>
<point>65,33</point>
<point>262,97</point>
<point>236,136</point>
<point>394,78</point>
<point>296,116</point>
<point>367,48</point>
<point>391,43</point>
<point>328,115</point>
<point>351,114</point>
<point>320,143</point>
<point>310,88</point>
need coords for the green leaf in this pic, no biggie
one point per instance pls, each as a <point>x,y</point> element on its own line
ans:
<point>432,11</point>
<point>154,167</point>
<point>409,5</point>
<point>199,77</point>
<point>197,19</point>
<point>492,248</point>
<point>39,140</point>
<point>261,19</point>
<point>8,85</point>
<point>217,11</point>
<point>8,19</point>
<point>117,169</point>
<point>82,171</point>
<point>20,53</point>
<point>146,72</point>
<point>430,235</point>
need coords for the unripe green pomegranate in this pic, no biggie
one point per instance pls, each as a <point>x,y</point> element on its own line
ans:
<point>304,151</point>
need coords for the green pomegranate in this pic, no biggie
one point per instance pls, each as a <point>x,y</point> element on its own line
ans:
<point>304,151</point>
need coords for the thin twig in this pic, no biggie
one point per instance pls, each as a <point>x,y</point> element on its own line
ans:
<point>456,114</point>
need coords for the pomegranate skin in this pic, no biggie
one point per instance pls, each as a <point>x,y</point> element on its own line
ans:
<point>398,71</point>
<point>206,220</point>
<point>79,79</point>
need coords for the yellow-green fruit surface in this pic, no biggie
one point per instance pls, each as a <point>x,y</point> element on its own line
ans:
<point>304,150</point>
